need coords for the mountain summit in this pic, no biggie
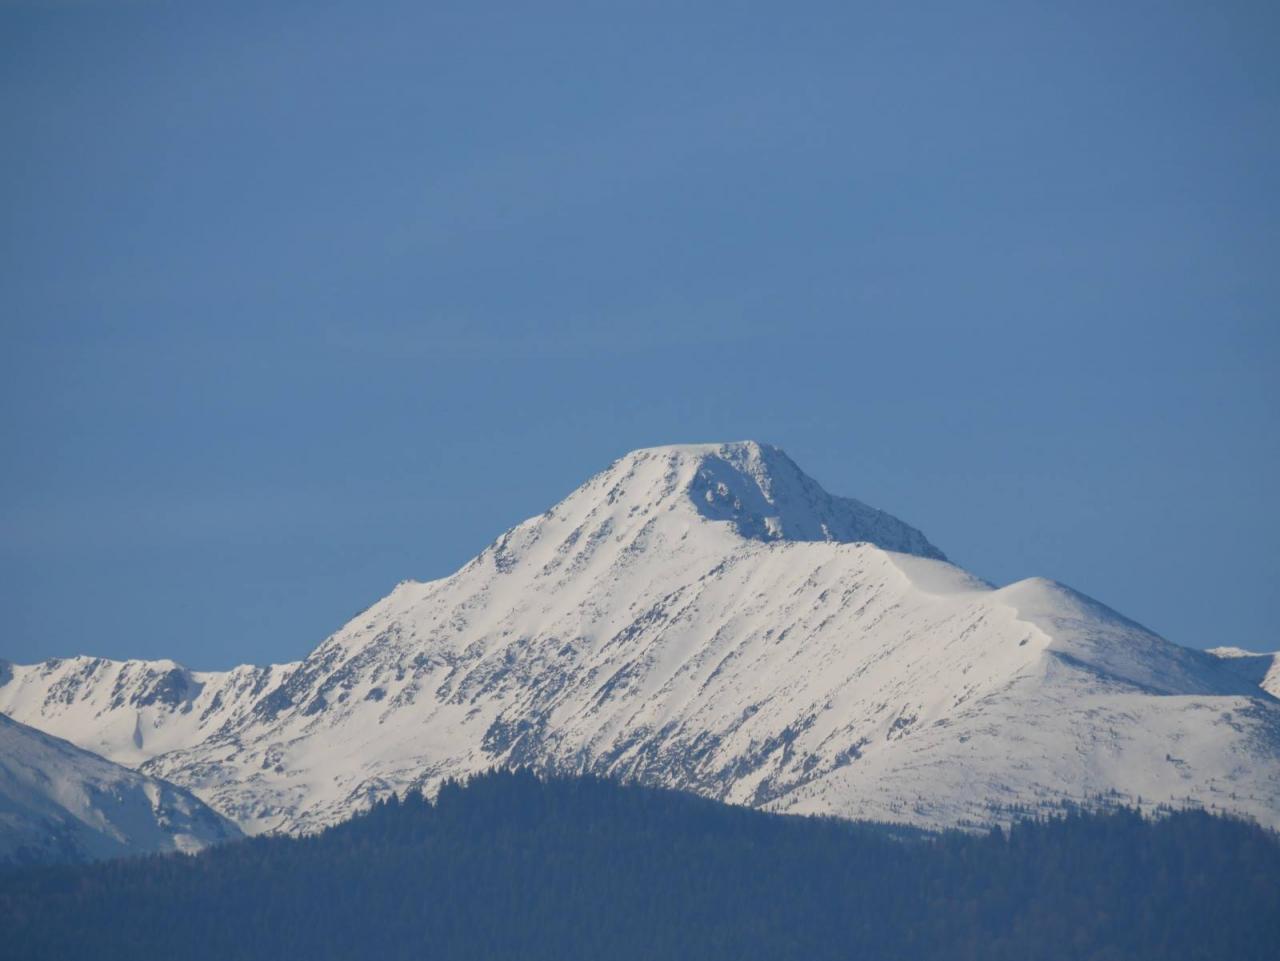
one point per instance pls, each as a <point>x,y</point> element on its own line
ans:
<point>703,617</point>
<point>754,488</point>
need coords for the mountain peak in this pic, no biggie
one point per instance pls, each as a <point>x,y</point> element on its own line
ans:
<point>755,488</point>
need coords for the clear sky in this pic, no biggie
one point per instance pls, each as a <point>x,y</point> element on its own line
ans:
<point>299,300</point>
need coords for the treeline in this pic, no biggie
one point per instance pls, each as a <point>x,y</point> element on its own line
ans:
<point>511,866</point>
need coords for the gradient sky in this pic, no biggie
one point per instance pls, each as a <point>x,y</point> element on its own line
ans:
<point>299,300</point>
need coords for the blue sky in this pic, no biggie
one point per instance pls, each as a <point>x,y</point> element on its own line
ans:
<point>302,299</point>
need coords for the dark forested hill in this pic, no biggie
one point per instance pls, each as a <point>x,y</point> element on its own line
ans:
<point>509,866</point>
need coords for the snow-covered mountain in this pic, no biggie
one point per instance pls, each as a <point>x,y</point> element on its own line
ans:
<point>703,617</point>
<point>59,802</point>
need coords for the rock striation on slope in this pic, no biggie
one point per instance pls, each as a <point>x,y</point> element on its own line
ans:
<point>59,802</point>
<point>705,617</point>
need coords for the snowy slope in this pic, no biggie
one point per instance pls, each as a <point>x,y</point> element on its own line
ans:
<point>61,803</point>
<point>707,617</point>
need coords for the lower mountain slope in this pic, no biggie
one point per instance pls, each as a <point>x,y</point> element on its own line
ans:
<point>509,866</point>
<point>61,803</point>
<point>796,677</point>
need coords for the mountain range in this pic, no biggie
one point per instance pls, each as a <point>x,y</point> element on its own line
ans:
<point>703,617</point>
